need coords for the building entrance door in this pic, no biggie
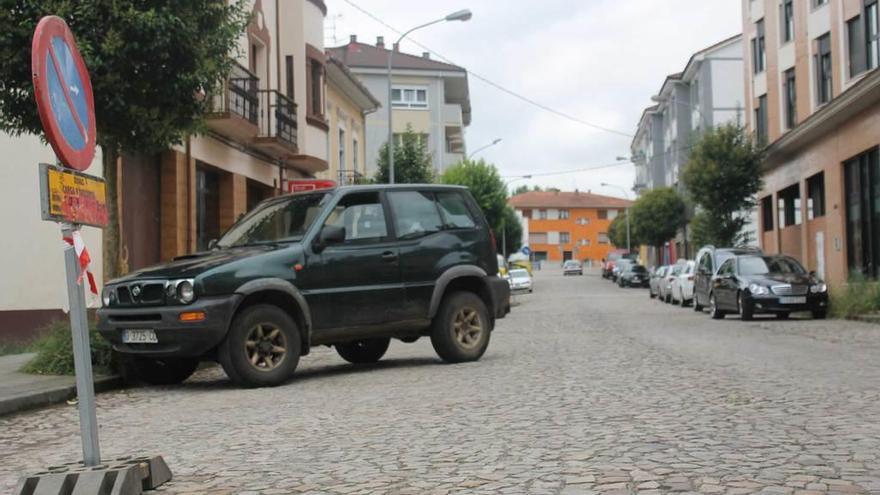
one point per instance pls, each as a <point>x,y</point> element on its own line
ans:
<point>863,213</point>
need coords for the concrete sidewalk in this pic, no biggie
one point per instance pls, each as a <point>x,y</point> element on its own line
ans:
<point>21,391</point>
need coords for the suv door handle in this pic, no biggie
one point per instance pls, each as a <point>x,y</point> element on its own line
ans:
<point>389,257</point>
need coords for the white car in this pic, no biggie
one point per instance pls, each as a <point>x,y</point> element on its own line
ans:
<point>520,280</point>
<point>682,290</point>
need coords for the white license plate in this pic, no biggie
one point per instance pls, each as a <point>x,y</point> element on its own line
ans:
<point>792,300</point>
<point>139,336</point>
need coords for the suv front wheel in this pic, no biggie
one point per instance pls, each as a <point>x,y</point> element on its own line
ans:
<point>262,347</point>
<point>363,351</point>
<point>461,328</point>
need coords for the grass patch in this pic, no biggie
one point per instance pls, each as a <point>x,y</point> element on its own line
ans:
<point>55,352</point>
<point>7,348</point>
<point>859,297</point>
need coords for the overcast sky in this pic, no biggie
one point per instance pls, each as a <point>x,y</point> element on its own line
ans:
<point>597,60</point>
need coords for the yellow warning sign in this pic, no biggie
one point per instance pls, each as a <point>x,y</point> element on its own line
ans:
<point>72,197</point>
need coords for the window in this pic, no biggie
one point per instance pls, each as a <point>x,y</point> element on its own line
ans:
<point>421,140</point>
<point>872,34</point>
<point>818,3</point>
<point>288,70</point>
<point>564,237</point>
<point>761,120</point>
<point>563,214</point>
<point>413,97</point>
<point>455,211</point>
<point>603,238</point>
<point>603,214</point>
<point>542,214</point>
<point>537,238</point>
<point>856,40</point>
<point>787,20</point>
<point>316,88</point>
<point>341,149</point>
<point>583,221</point>
<point>362,216</point>
<point>727,268</point>
<point>816,196</point>
<point>355,151</point>
<point>823,69</point>
<point>790,92</point>
<point>759,49</point>
<point>415,214</point>
<point>584,242</point>
<point>862,193</point>
<point>767,213</point>
<point>207,206</point>
<point>612,214</point>
<point>790,206</point>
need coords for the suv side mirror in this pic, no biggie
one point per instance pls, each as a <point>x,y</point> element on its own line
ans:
<point>212,244</point>
<point>330,234</point>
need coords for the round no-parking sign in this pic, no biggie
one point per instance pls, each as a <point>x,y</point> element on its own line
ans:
<point>64,93</point>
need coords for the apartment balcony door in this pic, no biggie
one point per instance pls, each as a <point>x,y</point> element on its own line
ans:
<point>207,206</point>
<point>863,214</point>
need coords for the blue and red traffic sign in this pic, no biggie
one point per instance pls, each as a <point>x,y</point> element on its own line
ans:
<point>64,93</point>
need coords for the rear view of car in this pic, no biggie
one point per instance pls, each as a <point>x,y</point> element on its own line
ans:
<point>634,276</point>
<point>520,280</point>
<point>572,267</point>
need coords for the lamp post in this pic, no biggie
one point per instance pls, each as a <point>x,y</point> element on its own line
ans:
<point>461,15</point>
<point>628,231</point>
<point>493,143</point>
<point>503,220</point>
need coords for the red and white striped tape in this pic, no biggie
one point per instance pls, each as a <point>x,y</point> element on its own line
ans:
<point>82,254</point>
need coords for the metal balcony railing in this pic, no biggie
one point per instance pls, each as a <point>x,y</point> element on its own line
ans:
<point>277,116</point>
<point>239,95</point>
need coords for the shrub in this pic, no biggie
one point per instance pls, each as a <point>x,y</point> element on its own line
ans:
<point>859,297</point>
<point>55,352</point>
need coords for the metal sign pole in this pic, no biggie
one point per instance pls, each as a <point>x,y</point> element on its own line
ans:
<point>82,356</point>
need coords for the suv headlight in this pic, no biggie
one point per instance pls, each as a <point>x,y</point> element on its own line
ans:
<point>818,288</point>
<point>758,290</point>
<point>107,296</point>
<point>185,292</point>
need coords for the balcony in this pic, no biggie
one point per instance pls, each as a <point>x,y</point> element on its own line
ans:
<point>234,109</point>
<point>277,125</point>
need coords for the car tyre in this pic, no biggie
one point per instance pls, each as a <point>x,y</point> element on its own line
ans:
<point>820,314</point>
<point>746,310</point>
<point>697,306</point>
<point>461,329</point>
<point>714,312</point>
<point>363,351</point>
<point>162,371</point>
<point>683,301</point>
<point>262,348</point>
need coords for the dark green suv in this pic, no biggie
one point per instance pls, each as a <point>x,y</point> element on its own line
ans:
<point>352,267</point>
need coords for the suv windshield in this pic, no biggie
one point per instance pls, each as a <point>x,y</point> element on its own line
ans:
<point>762,265</point>
<point>283,220</point>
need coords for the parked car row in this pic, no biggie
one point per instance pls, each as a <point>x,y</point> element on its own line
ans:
<point>741,281</point>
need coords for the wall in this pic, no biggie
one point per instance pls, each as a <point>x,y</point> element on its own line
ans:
<point>594,251</point>
<point>343,113</point>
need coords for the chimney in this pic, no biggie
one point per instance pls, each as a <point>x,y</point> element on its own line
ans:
<point>353,38</point>
<point>380,42</point>
<point>397,47</point>
<point>426,55</point>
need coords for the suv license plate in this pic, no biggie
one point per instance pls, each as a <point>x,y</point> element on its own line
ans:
<point>139,336</point>
<point>793,300</point>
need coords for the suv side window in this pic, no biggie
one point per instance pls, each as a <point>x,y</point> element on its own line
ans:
<point>455,211</point>
<point>727,267</point>
<point>706,263</point>
<point>362,216</point>
<point>415,214</point>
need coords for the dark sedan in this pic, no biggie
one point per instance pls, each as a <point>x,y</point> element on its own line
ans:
<point>634,276</point>
<point>755,284</point>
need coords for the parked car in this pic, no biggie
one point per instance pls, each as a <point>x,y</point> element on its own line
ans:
<point>634,276</point>
<point>708,260</point>
<point>351,267</point>
<point>665,284</point>
<point>657,277</point>
<point>683,285</point>
<point>611,262</point>
<point>619,267</point>
<point>757,284</point>
<point>572,267</point>
<point>520,280</point>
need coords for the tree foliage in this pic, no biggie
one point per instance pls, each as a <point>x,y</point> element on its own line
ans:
<point>657,215</point>
<point>490,192</point>
<point>617,232</point>
<point>723,176</point>
<point>412,161</point>
<point>151,63</point>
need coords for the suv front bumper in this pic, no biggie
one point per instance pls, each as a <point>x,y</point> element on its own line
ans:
<point>176,338</point>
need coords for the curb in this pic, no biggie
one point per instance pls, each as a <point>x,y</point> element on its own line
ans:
<point>26,401</point>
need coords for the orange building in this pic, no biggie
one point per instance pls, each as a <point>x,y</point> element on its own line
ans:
<point>559,226</point>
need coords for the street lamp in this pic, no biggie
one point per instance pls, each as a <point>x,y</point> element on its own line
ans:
<point>493,143</point>
<point>461,15</point>
<point>628,231</point>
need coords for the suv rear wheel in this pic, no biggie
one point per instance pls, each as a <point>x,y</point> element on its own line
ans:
<point>164,371</point>
<point>262,347</point>
<point>461,329</point>
<point>363,351</point>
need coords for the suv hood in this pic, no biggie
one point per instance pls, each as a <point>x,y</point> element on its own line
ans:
<point>190,265</point>
<point>782,278</point>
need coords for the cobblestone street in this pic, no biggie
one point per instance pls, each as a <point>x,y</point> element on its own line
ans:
<point>586,388</point>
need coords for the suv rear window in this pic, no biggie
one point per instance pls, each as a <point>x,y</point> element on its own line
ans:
<point>455,211</point>
<point>415,214</point>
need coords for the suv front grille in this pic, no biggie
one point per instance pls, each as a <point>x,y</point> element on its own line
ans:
<point>790,290</point>
<point>141,293</point>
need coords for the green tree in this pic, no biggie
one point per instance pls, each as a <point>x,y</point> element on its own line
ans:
<point>723,175</point>
<point>489,190</point>
<point>524,189</point>
<point>617,232</point>
<point>657,215</point>
<point>412,162</point>
<point>148,61</point>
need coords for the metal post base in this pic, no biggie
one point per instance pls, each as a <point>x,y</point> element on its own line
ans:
<point>123,476</point>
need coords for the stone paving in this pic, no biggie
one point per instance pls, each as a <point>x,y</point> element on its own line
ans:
<point>585,389</point>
